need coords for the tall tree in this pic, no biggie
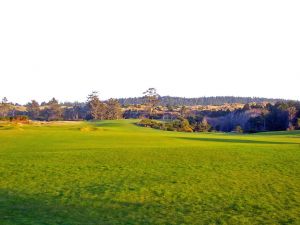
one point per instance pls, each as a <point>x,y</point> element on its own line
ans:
<point>203,126</point>
<point>77,112</point>
<point>95,106</point>
<point>4,107</point>
<point>33,109</point>
<point>54,110</point>
<point>277,119</point>
<point>113,110</point>
<point>152,99</point>
<point>183,111</point>
<point>292,113</point>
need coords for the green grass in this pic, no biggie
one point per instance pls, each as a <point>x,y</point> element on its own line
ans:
<point>114,172</point>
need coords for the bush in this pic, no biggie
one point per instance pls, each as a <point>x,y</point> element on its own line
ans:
<point>186,129</point>
<point>21,119</point>
<point>148,123</point>
<point>176,125</point>
<point>169,127</point>
<point>238,129</point>
<point>203,126</point>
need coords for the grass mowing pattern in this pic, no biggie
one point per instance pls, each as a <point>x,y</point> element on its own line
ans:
<point>114,172</point>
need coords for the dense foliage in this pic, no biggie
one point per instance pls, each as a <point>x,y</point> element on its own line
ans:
<point>180,124</point>
<point>18,119</point>
<point>256,116</point>
<point>250,119</point>
<point>92,109</point>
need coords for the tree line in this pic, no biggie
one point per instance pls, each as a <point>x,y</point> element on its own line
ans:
<point>250,119</point>
<point>180,101</point>
<point>93,109</point>
<point>253,117</point>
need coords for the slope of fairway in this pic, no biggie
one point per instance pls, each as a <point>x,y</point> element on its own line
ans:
<point>113,172</point>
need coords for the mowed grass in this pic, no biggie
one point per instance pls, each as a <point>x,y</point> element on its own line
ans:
<point>113,172</point>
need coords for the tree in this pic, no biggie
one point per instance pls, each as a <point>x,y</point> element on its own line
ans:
<point>53,110</point>
<point>246,107</point>
<point>33,109</point>
<point>255,124</point>
<point>180,124</point>
<point>95,107</point>
<point>4,100</point>
<point>169,107</point>
<point>185,126</point>
<point>277,119</point>
<point>4,107</point>
<point>203,126</point>
<point>183,111</point>
<point>152,99</point>
<point>238,129</point>
<point>113,109</point>
<point>77,112</point>
<point>292,112</point>
<point>264,114</point>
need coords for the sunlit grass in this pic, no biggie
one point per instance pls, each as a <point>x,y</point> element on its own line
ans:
<point>114,172</point>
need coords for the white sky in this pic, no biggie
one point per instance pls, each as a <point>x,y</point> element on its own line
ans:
<point>66,49</point>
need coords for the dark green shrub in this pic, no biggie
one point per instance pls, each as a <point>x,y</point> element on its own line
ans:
<point>176,125</point>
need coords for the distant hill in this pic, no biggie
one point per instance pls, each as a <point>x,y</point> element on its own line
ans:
<point>220,100</point>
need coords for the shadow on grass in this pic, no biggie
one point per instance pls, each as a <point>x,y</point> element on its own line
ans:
<point>106,124</point>
<point>241,141</point>
<point>279,133</point>
<point>28,209</point>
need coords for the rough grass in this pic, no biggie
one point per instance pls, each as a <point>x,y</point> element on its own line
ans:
<point>114,172</point>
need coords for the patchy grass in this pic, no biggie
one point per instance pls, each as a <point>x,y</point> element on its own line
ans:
<point>62,173</point>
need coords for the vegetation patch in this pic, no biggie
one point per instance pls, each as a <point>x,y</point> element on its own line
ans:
<point>176,125</point>
<point>231,116</point>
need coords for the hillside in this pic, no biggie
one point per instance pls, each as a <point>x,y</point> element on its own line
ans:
<point>219,100</point>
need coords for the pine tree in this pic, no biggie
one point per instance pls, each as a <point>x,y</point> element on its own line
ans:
<point>203,126</point>
<point>152,99</point>
<point>96,108</point>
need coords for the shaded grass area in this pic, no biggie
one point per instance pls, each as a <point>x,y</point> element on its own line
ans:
<point>236,140</point>
<point>34,210</point>
<point>113,172</point>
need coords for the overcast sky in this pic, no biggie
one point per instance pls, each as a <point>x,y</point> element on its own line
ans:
<point>66,49</point>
